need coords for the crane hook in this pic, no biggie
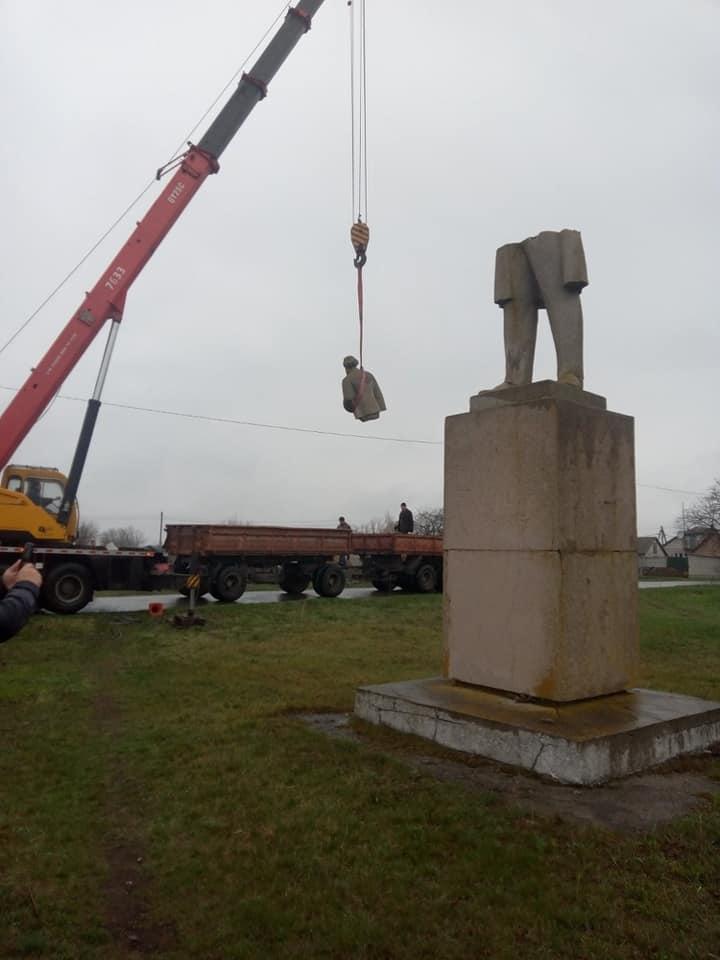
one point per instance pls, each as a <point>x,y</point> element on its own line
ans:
<point>360,237</point>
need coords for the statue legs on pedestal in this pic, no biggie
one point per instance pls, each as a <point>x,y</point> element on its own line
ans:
<point>547,271</point>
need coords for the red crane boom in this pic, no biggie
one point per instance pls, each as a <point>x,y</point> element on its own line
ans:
<point>106,300</point>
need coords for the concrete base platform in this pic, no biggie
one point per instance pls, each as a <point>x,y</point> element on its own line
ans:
<point>584,742</point>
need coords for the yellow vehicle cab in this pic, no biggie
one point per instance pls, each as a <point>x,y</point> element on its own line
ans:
<point>30,499</point>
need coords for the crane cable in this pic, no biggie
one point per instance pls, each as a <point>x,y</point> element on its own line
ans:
<point>359,232</point>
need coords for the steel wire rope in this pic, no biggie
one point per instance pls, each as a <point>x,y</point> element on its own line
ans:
<point>352,109</point>
<point>363,64</point>
<point>142,193</point>
<point>358,156</point>
<point>358,112</point>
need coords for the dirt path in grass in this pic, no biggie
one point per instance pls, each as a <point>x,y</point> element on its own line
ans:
<point>639,802</point>
<point>128,917</point>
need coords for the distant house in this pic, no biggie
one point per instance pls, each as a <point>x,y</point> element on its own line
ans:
<point>704,560</point>
<point>651,554</point>
<point>701,546</point>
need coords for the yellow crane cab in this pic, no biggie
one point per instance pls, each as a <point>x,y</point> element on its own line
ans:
<point>30,499</point>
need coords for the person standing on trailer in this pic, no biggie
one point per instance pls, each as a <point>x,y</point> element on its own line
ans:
<point>343,525</point>
<point>406,522</point>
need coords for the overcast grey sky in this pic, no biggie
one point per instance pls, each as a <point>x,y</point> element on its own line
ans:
<point>487,123</point>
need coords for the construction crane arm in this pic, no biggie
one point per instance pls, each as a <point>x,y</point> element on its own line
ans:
<point>106,300</point>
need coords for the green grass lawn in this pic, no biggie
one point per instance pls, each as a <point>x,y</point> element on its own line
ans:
<point>155,784</point>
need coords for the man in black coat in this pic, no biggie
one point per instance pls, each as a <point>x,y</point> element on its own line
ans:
<point>21,585</point>
<point>405,523</point>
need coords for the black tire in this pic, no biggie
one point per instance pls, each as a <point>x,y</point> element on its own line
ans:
<point>426,578</point>
<point>67,588</point>
<point>384,586</point>
<point>229,583</point>
<point>329,580</point>
<point>293,579</point>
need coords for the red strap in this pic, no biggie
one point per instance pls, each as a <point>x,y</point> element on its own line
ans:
<point>360,312</point>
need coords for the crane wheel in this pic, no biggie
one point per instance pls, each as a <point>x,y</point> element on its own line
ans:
<point>229,583</point>
<point>67,588</point>
<point>329,580</point>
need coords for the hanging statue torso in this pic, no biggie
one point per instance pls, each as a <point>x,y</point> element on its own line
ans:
<point>361,395</point>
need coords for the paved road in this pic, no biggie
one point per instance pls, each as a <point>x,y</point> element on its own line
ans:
<point>650,584</point>
<point>134,603</point>
<point>130,604</point>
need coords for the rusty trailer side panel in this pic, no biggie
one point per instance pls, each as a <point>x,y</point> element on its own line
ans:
<point>184,539</point>
<point>396,543</point>
<point>235,540</point>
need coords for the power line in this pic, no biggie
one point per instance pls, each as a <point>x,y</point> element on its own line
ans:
<point>311,430</point>
<point>694,493</point>
<point>246,423</point>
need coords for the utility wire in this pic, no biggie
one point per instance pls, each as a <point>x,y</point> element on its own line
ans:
<point>244,423</point>
<point>316,432</point>
<point>142,193</point>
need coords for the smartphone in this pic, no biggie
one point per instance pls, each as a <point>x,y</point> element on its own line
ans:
<point>27,554</point>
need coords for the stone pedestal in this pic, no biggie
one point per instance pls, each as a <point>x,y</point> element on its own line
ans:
<point>540,631</point>
<point>540,544</point>
<point>584,743</point>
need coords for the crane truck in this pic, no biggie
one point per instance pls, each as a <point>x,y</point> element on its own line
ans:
<point>38,504</point>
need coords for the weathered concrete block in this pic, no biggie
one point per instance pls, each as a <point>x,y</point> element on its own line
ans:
<point>584,743</point>
<point>541,474</point>
<point>540,564</point>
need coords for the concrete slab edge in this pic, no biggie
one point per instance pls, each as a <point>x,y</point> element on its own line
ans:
<point>580,763</point>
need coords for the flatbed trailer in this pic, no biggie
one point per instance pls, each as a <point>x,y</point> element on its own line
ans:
<point>227,556</point>
<point>413,562</point>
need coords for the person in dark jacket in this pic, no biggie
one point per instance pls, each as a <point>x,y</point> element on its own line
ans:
<point>21,587</point>
<point>406,523</point>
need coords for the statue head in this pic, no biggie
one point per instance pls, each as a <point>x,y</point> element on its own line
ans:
<point>349,362</point>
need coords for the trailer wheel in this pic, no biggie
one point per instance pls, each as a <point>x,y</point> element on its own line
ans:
<point>329,580</point>
<point>67,588</point>
<point>426,578</point>
<point>229,583</point>
<point>293,578</point>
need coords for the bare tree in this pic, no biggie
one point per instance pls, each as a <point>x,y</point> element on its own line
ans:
<point>704,512</point>
<point>430,522</point>
<point>123,536</point>
<point>376,525</point>
<point>87,533</point>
